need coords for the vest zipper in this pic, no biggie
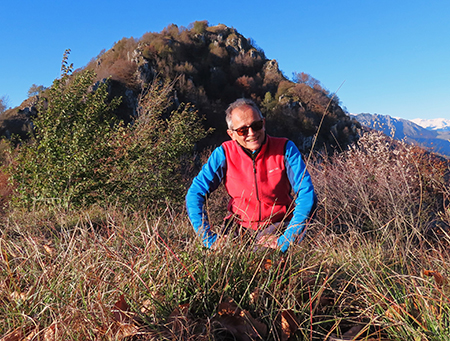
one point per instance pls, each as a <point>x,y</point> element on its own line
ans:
<point>257,191</point>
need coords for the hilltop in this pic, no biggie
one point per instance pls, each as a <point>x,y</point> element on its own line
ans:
<point>211,67</point>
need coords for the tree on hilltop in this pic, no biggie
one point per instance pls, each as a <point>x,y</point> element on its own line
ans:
<point>3,103</point>
<point>35,90</point>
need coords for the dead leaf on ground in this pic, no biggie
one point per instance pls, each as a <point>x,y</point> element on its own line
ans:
<point>178,319</point>
<point>123,325</point>
<point>31,335</point>
<point>121,309</point>
<point>267,264</point>
<point>239,322</point>
<point>51,332</point>
<point>438,278</point>
<point>395,311</point>
<point>261,328</point>
<point>227,307</point>
<point>349,335</point>
<point>289,324</point>
<point>17,334</point>
<point>123,330</point>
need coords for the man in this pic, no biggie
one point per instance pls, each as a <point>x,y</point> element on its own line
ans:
<point>259,172</point>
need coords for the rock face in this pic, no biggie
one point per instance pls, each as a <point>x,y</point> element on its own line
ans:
<point>18,121</point>
<point>212,67</point>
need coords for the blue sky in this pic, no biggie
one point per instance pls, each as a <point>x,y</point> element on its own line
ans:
<point>386,57</point>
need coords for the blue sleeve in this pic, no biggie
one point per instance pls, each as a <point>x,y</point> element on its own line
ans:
<point>304,195</point>
<point>207,180</point>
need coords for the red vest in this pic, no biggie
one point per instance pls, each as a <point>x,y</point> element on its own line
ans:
<point>259,189</point>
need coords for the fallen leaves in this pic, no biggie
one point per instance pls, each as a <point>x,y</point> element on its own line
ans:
<point>244,327</point>
<point>352,334</point>
<point>394,311</point>
<point>178,320</point>
<point>267,264</point>
<point>33,333</point>
<point>239,322</point>
<point>289,324</point>
<point>438,278</point>
<point>16,335</point>
<point>312,293</point>
<point>123,325</point>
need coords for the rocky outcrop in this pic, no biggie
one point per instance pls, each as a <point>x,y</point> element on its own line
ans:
<point>18,121</point>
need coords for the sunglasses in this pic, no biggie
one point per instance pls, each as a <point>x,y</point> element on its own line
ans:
<point>256,126</point>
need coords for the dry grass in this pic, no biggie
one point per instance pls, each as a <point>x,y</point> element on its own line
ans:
<point>373,266</point>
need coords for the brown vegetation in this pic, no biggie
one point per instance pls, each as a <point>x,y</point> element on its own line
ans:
<point>373,265</point>
<point>216,65</point>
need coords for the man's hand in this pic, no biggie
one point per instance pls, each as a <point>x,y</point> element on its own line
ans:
<point>269,241</point>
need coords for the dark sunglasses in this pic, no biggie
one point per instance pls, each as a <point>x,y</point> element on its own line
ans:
<point>256,126</point>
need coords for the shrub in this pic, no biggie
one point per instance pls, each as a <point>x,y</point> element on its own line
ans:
<point>71,136</point>
<point>123,71</point>
<point>378,186</point>
<point>246,84</point>
<point>152,155</point>
<point>81,154</point>
<point>199,27</point>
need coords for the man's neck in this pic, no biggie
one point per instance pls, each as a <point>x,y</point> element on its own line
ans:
<point>254,153</point>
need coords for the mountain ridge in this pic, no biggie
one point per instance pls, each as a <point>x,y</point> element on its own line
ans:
<point>440,124</point>
<point>402,129</point>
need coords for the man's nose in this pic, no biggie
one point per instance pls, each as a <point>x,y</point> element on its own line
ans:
<point>251,131</point>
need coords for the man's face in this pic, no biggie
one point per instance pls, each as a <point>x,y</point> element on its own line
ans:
<point>245,116</point>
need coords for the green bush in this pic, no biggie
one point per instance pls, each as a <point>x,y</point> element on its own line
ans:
<point>61,162</point>
<point>151,157</point>
<point>199,27</point>
<point>81,154</point>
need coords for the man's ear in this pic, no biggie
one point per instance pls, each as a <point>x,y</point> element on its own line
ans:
<point>230,133</point>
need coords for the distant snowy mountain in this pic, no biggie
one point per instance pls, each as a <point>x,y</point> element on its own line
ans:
<point>435,139</point>
<point>433,124</point>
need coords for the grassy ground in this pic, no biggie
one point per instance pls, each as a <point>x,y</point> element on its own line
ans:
<point>373,265</point>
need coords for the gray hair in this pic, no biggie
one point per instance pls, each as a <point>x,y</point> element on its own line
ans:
<point>237,104</point>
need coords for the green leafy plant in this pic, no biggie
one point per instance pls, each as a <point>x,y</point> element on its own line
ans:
<point>72,130</point>
<point>81,154</point>
<point>153,154</point>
